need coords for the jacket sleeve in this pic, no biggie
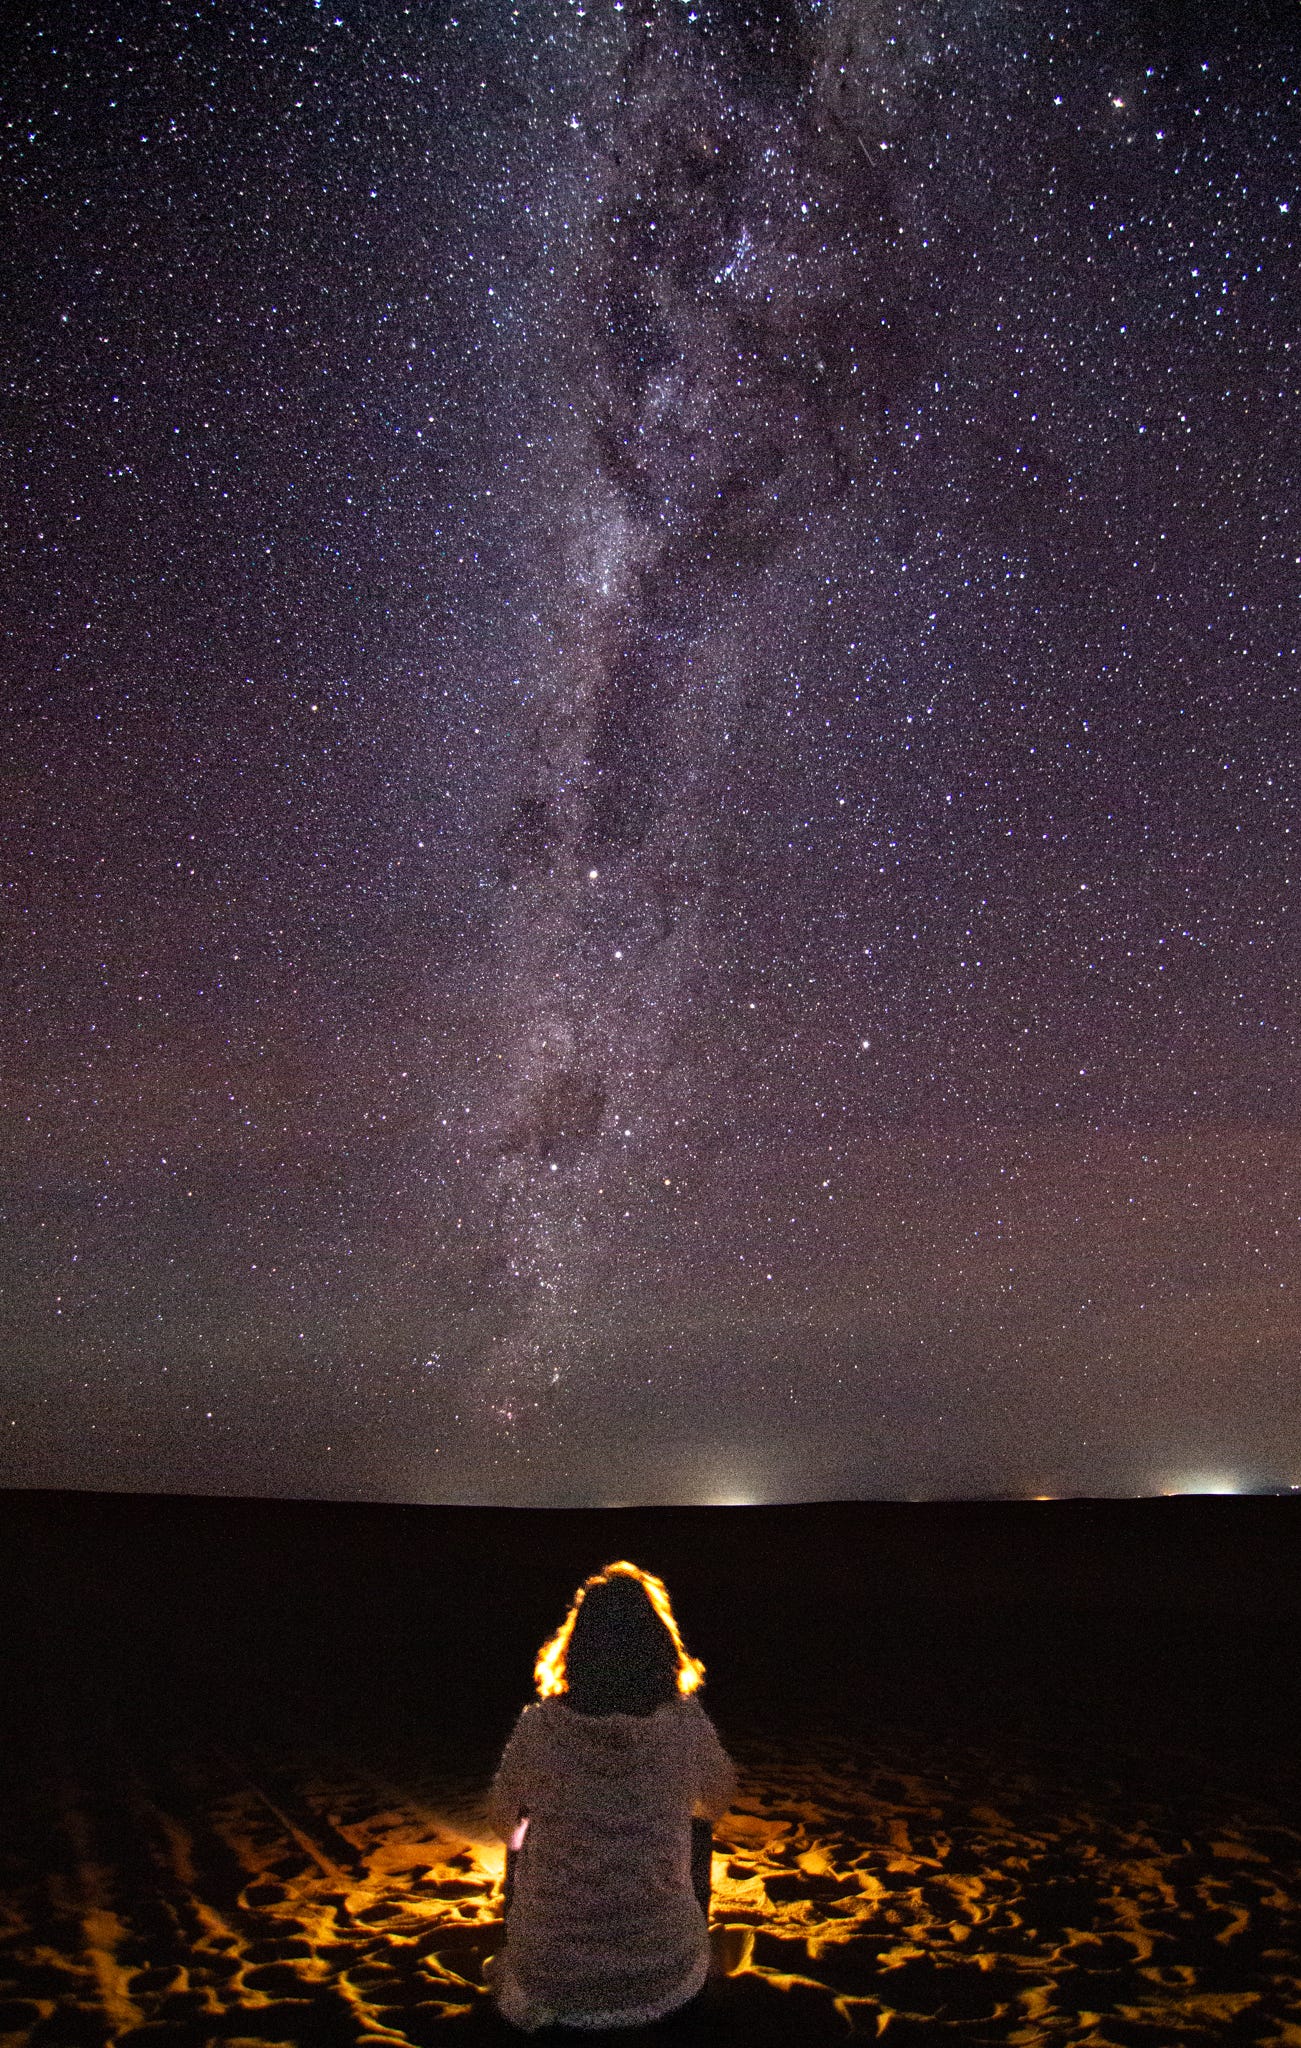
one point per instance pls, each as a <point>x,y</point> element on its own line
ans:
<point>509,1796</point>
<point>715,1771</point>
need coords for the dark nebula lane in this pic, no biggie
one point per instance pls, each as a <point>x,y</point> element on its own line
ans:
<point>651,793</point>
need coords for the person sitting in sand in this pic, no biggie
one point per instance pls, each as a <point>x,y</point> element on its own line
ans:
<point>596,1792</point>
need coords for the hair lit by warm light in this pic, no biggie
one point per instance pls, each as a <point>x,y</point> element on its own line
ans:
<point>549,1673</point>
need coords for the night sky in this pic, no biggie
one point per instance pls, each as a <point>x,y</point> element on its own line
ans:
<point>651,766</point>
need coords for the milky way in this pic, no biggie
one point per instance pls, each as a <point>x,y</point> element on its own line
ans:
<point>652,792</point>
<point>726,253</point>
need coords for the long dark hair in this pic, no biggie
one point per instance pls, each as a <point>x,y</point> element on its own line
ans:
<point>618,1650</point>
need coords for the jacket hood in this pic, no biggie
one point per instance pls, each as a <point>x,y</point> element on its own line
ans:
<point>609,1732</point>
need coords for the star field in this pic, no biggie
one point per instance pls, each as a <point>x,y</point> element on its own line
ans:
<point>651,801</point>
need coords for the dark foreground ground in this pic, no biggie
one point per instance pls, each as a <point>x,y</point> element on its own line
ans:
<point>1009,1773</point>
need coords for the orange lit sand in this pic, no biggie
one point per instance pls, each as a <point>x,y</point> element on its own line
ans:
<point>908,1896</point>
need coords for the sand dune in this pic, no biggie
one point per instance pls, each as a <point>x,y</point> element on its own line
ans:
<point>1007,1775</point>
<point>907,1895</point>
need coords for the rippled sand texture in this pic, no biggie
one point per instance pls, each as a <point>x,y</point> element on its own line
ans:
<point>907,1895</point>
<point>996,1906</point>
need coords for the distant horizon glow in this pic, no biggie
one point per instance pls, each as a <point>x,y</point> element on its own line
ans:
<point>1209,1485</point>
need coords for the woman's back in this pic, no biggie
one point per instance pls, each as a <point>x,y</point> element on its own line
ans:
<point>605,1927</point>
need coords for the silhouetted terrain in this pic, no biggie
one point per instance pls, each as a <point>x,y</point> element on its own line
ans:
<point>1010,1772</point>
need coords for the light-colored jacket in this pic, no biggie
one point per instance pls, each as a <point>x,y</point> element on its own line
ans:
<point>604,1927</point>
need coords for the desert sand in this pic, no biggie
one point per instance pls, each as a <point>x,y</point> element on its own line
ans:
<point>1009,1773</point>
